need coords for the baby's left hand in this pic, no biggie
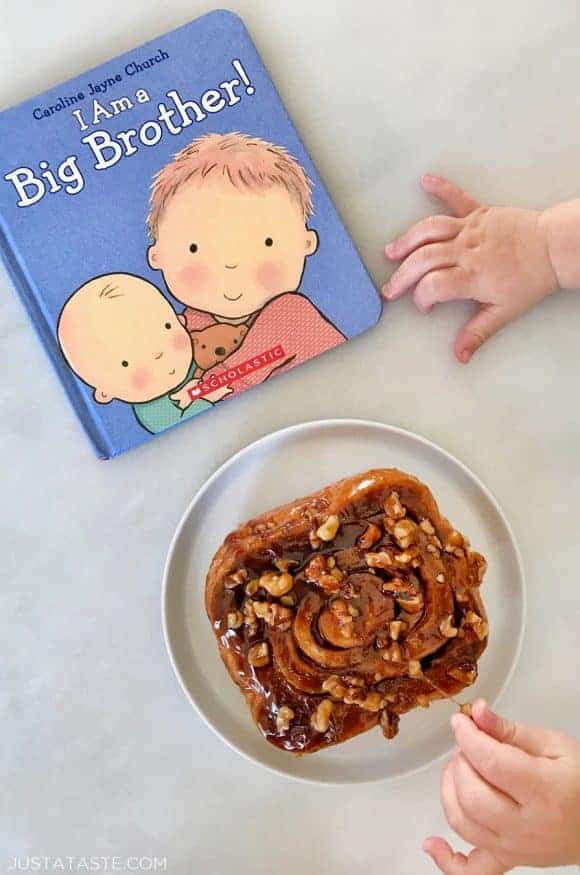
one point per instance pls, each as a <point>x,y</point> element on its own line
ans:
<point>512,791</point>
<point>496,256</point>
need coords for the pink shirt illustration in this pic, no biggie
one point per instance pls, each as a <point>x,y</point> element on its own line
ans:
<point>289,323</point>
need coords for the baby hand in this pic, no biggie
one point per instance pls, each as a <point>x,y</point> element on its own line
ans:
<point>496,256</point>
<point>182,398</point>
<point>512,791</point>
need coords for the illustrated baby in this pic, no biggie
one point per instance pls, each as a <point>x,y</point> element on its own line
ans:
<point>228,221</point>
<point>121,336</point>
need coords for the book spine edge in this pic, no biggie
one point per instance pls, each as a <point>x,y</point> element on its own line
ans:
<point>30,301</point>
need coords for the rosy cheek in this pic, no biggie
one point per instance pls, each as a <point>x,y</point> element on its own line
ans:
<point>269,276</point>
<point>194,275</point>
<point>140,378</point>
<point>180,341</point>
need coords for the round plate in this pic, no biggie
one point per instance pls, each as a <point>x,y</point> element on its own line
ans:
<point>292,463</point>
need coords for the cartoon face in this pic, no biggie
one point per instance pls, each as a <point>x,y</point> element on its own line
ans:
<point>121,336</point>
<point>228,251</point>
<point>214,344</point>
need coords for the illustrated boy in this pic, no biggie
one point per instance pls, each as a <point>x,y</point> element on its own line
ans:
<point>228,221</point>
<point>121,336</point>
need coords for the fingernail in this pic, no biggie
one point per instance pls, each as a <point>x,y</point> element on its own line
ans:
<point>456,721</point>
<point>464,356</point>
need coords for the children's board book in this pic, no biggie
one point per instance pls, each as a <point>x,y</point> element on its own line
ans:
<point>169,236</point>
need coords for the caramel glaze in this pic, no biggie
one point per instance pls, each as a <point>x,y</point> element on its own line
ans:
<point>314,646</point>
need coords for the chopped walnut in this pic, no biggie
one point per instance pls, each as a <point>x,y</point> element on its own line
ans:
<point>320,720</point>
<point>459,552</point>
<point>334,686</point>
<point>259,654</point>
<point>393,653</point>
<point>427,526</point>
<point>252,586</point>
<point>477,623</point>
<point>466,709</point>
<point>407,557</point>
<point>284,565</point>
<point>236,578</point>
<point>277,584</point>
<point>283,718</point>
<point>394,508</point>
<point>327,531</point>
<point>369,537</point>
<point>261,609</point>
<point>447,628</point>
<point>431,548</point>
<point>440,578</point>
<point>372,702</point>
<point>235,619</point>
<point>396,627</point>
<point>250,618</point>
<point>464,675</point>
<point>454,540</point>
<point>404,533</point>
<point>412,604</point>
<point>414,668</point>
<point>379,560</point>
<point>396,586</point>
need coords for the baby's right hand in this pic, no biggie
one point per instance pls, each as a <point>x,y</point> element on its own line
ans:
<point>512,791</point>
<point>497,256</point>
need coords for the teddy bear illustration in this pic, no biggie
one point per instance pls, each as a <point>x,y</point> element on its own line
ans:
<point>215,343</point>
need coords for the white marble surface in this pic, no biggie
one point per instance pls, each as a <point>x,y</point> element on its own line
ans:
<point>101,753</point>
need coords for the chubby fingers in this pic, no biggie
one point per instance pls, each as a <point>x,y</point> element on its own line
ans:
<point>458,819</point>
<point>479,862</point>
<point>488,320</point>
<point>450,195</point>
<point>484,804</point>
<point>416,266</point>
<point>433,229</point>
<point>531,739</point>
<point>506,768</point>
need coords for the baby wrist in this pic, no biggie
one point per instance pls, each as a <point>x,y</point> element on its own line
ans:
<point>560,228</point>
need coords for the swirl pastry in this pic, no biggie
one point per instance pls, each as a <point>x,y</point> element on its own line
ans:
<point>345,609</point>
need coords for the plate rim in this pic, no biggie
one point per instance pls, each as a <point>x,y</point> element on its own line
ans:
<point>231,461</point>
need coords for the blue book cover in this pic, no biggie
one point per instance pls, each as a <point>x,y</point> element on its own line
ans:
<point>169,236</point>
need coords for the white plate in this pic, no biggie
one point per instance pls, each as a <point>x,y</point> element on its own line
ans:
<point>289,464</point>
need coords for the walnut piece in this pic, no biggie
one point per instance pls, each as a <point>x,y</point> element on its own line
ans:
<point>396,627</point>
<point>404,533</point>
<point>393,653</point>
<point>447,628</point>
<point>477,623</point>
<point>334,686</point>
<point>322,570</point>
<point>235,619</point>
<point>259,654</point>
<point>283,718</point>
<point>464,675</point>
<point>393,507</point>
<point>412,604</point>
<point>327,531</point>
<point>236,579</point>
<point>379,560</point>
<point>414,668</point>
<point>277,584</point>
<point>320,720</point>
<point>427,526</point>
<point>389,723</point>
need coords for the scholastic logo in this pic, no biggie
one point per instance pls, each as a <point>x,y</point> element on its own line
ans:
<point>233,375</point>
